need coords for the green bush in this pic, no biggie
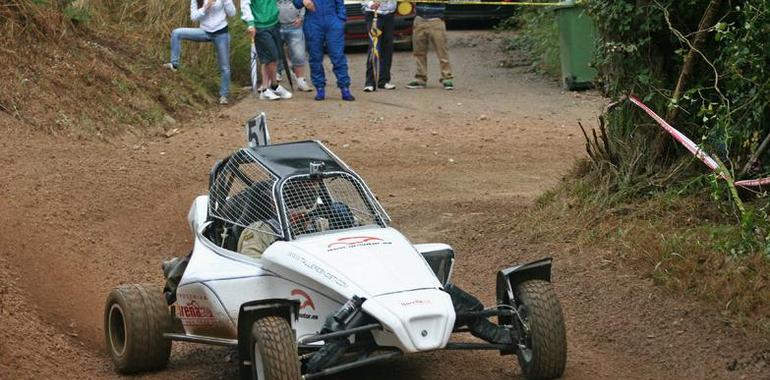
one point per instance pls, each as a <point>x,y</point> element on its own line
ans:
<point>538,37</point>
<point>725,105</point>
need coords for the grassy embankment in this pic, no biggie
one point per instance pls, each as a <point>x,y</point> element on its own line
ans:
<point>92,68</point>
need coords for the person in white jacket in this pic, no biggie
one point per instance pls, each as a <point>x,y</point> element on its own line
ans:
<point>211,16</point>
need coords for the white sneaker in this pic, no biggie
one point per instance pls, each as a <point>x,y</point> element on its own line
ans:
<point>368,88</point>
<point>223,100</point>
<point>278,77</point>
<point>388,86</point>
<point>170,66</point>
<point>268,94</point>
<point>282,92</point>
<point>302,85</point>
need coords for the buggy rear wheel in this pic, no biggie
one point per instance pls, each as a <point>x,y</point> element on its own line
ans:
<point>135,318</point>
<point>273,350</point>
<point>542,348</point>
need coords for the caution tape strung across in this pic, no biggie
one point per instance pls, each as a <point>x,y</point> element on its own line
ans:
<point>695,150</point>
<point>678,136</point>
<point>753,182</point>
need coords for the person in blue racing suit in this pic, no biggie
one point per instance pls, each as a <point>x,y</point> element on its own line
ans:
<point>325,28</point>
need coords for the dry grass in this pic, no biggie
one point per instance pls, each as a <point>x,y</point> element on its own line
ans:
<point>682,243</point>
<point>91,68</point>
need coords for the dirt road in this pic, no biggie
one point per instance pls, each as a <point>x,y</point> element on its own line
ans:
<point>80,217</point>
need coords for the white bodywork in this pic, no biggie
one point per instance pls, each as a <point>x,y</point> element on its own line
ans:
<point>322,271</point>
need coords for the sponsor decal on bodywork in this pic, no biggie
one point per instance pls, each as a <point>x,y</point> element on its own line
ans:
<point>318,269</point>
<point>193,314</point>
<point>191,297</point>
<point>305,302</point>
<point>356,241</point>
<point>415,303</point>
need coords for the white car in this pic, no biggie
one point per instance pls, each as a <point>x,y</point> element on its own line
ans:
<point>337,288</point>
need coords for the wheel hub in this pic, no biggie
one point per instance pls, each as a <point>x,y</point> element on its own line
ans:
<point>117,330</point>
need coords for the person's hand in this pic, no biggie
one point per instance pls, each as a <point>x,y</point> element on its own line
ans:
<point>251,31</point>
<point>309,5</point>
<point>297,23</point>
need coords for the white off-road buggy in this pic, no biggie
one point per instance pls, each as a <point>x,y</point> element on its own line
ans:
<point>336,288</point>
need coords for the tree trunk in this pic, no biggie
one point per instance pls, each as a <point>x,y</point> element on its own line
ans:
<point>707,21</point>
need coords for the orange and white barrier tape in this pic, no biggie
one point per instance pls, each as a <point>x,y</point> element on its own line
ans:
<point>694,148</point>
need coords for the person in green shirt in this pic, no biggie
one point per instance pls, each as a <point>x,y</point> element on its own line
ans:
<point>261,17</point>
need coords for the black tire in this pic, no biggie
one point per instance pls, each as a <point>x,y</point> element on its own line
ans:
<point>135,318</point>
<point>542,349</point>
<point>273,350</point>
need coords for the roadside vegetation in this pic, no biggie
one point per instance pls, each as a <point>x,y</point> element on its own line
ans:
<point>537,44</point>
<point>702,65</point>
<point>92,68</point>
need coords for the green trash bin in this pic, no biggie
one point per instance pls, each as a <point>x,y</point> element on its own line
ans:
<point>577,44</point>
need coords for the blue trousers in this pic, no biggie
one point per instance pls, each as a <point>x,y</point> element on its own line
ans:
<point>326,34</point>
<point>221,43</point>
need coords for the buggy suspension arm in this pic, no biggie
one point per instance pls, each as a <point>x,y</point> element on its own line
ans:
<point>340,334</point>
<point>338,327</point>
<point>466,315</point>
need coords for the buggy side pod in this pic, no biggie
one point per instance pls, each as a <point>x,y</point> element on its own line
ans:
<point>250,312</point>
<point>507,279</point>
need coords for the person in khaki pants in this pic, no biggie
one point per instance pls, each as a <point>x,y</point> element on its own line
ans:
<point>429,27</point>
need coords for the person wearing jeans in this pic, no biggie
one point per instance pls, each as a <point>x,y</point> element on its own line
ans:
<point>212,18</point>
<point>429,27</point>
<point>385,23</point>
<point>291,20</point>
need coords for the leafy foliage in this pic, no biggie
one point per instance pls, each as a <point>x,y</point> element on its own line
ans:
<point>725,105</point>
<point>539,37</point>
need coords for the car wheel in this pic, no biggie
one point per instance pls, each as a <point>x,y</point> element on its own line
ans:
<point>542,348</point>
<point>135,318</point>
<point>274,350</point>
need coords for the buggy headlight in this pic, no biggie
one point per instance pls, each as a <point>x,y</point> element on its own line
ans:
<point>404,8</point>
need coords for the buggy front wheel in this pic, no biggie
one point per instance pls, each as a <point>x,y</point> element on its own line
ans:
<point>542,348</point>
<point>273,350</point>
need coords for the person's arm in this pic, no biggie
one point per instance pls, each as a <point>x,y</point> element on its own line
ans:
<point>341,12</point>
<point>229,8</point>
<point>195,12</point>
<point>300,18</point>
<point>246,14</point>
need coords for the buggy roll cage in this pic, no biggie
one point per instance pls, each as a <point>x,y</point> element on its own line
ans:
<point>287,162</point>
